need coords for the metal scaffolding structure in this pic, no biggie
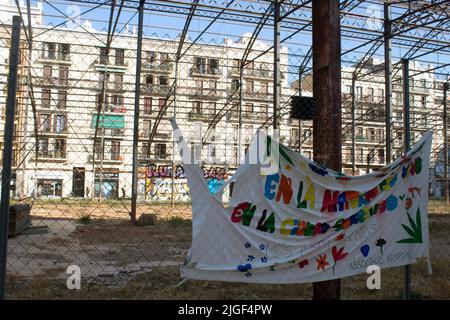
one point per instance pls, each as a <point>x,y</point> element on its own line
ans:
<point>390,43</point>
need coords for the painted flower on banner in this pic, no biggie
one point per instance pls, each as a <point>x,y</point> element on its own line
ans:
<point>380,243</point>
<point>303,263</point>
<point>322,262</point>
<point>338,254</point>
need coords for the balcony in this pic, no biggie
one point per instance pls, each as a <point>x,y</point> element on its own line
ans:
<point>156,89</point>
<point>115,108</point>
<point>110,133</point>
<point>145,135</point>
<point>413,89</point>
<point>258,74</point>
<point>232,115</point>
<point>157,67</point>
<point>109,86</point>
<point>54,58</point>
<point>112,158</point>
<point>117,67</point>
<point>205,93</point>
<point>51,131</point>
<point>196,116</point>
<point>206,72</point>
<point>50,81</point>
<point>52,155</point>
<point>251,73</point>
<point>256,95</point>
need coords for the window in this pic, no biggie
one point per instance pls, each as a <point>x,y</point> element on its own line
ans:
<point>234,84</point>
<point>348,89</point>
<point>249,86</point>
<point>213,66</point>
<point>49,51</point>
<point>162,105</point>
<point>197,107</point>
<point>47,187</point>
<point>200,64</point>
<point>149,79</point>
<point>103,56</point>
<point>147,125</point>
<point>423,102</point>
<point>115,150</point>
<point>359,93</point>
<point>120,57</point>
<point>147,105</point>
<point>164,57</point>
<point>211,152</point>
<point>60,123</point>
<point>60,148</point>
<point>43,147</point>
<point>263,111</point>
<point>264,88</point>
<point>163,80</point>
<point>294,136</point>
<point>45,121</point>
<point>118,81</point>
<point>381,155</point>
<point>151,56</point>
<point>370,134</point>
<point>62,99</point>
<point>248,109</point>
<point>45,99</point>
<point>370,94</point>
<point>63,75</point>
<point>381,94</point>
<point>64,51</point>
<point>160,150</point>
<point>47,71</point>
<point>210,109</point>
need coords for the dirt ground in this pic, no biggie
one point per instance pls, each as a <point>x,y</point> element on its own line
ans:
<point>122,261</point>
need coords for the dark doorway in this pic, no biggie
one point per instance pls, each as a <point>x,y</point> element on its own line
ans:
<point>78,182</point>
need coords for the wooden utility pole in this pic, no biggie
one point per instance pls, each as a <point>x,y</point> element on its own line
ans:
<point>327,92</point>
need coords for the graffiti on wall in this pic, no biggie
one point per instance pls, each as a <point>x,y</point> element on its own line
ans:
<point>159,181</point>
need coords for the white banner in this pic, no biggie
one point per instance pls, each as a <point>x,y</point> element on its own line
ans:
<point>306,223</point>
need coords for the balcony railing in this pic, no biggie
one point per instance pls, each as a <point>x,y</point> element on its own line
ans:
<point>51,154</point>
<point>193,115</point>
<point>163,67</point>
<point>107,157</point>
<point>256,95</point>
<point>206,93</point>
<point>156,89</point>
<point>52,130</point>
<point>51,81</point>
<point>114,132</point>
<point>145,134</point>
<point>258,73</point>
<point>54,56</point>
<point>115,108</point>
<point>213,72</point>
<point>109,85</point>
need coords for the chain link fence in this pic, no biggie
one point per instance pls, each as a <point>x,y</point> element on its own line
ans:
<point>74,138</point>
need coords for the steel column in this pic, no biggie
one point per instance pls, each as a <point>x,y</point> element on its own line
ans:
<point>137,94</point>
<point>8,149</point>
<point>388,80</point>
<point>276,63</point>
<point>327,123</point>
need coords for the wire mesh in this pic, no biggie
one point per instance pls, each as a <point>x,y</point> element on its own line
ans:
<point>74,123</point>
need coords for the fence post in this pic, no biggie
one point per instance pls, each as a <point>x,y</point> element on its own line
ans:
<point>8,149</point>
<point>407,132</point>
<point>445,128</point>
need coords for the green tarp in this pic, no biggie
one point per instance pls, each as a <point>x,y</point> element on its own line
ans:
<point>109,121</point>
